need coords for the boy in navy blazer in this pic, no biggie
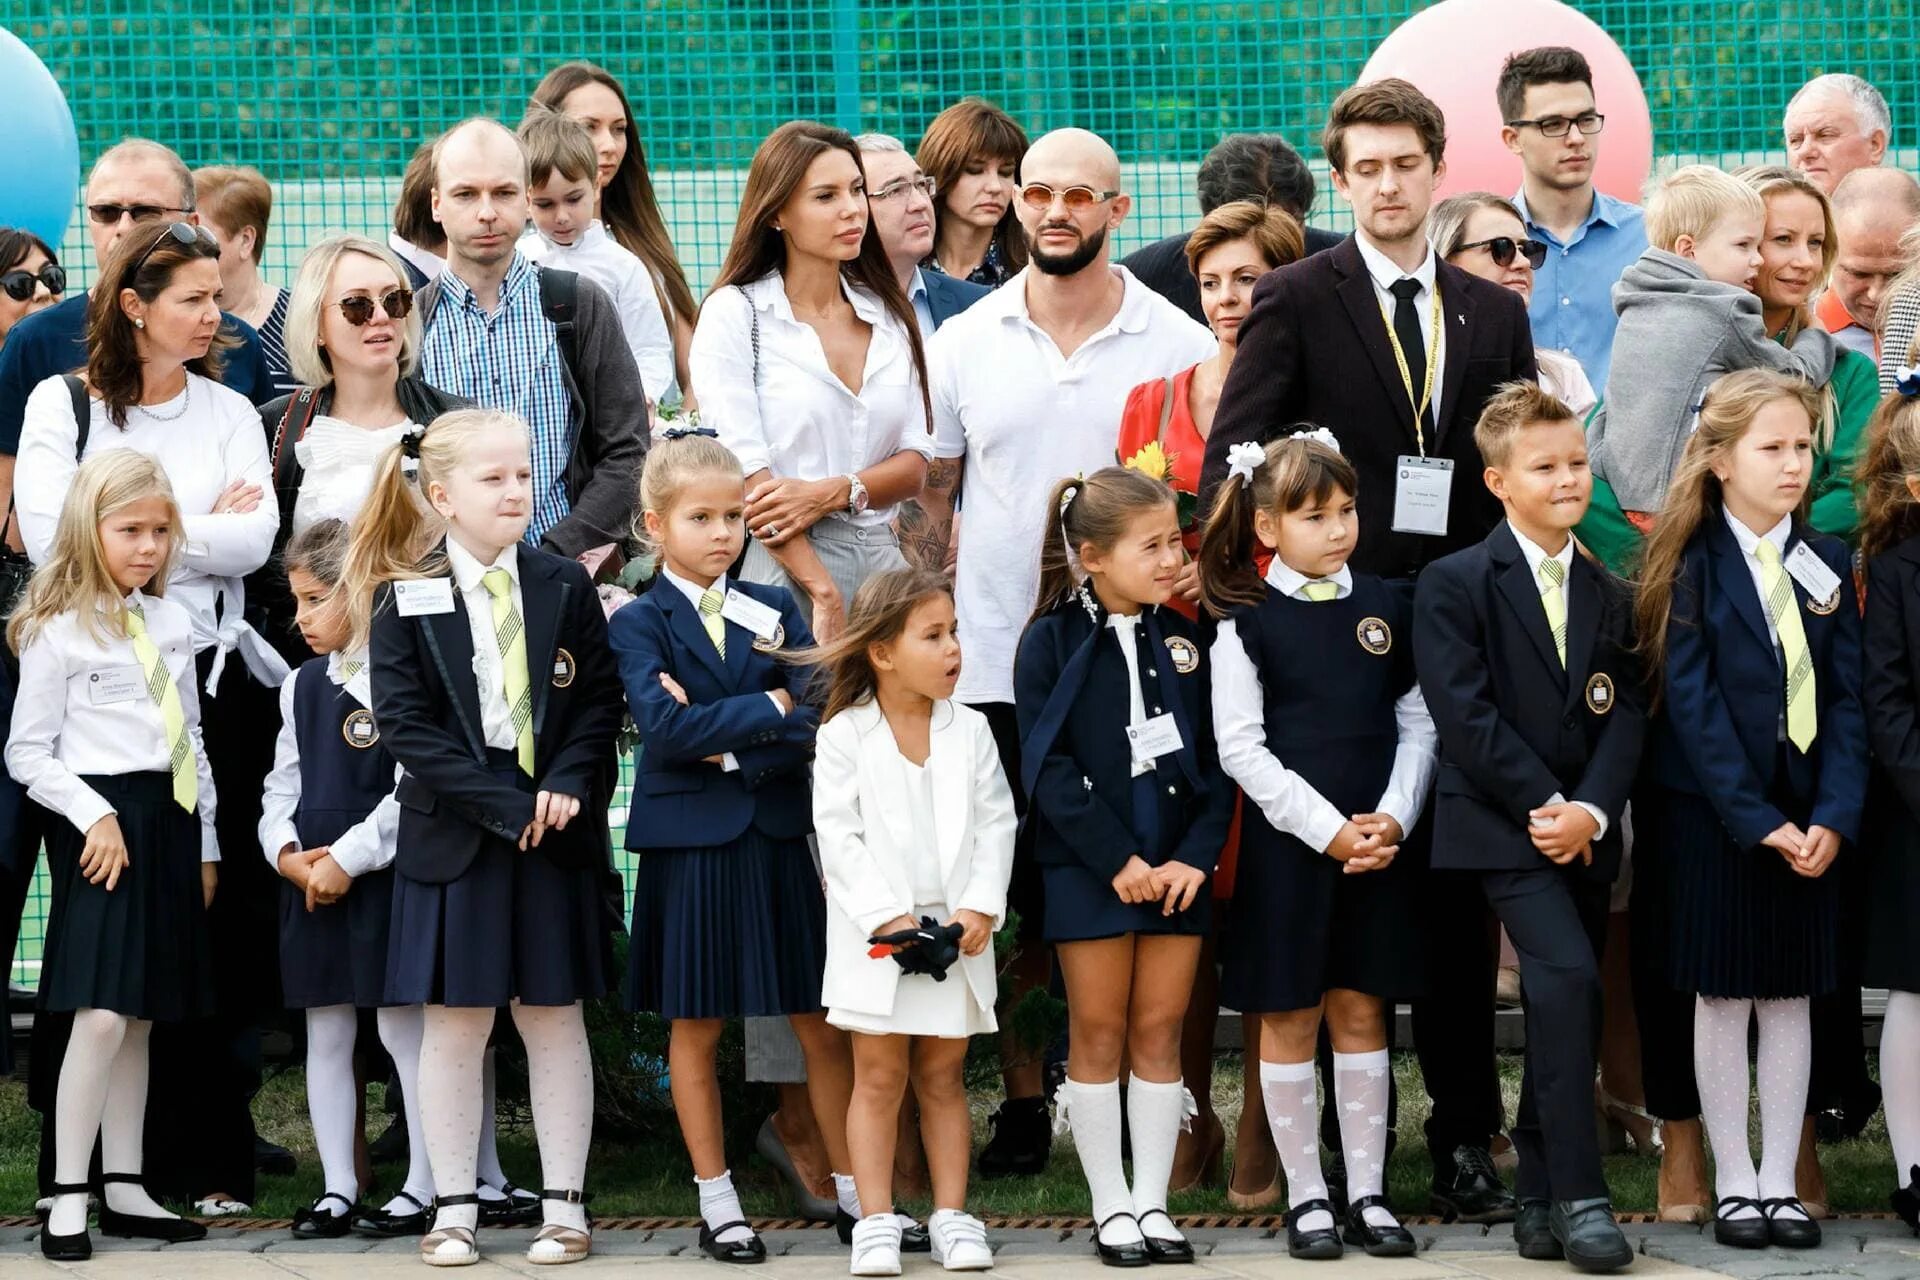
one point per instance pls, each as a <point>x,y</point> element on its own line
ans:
<point>1524,650</point>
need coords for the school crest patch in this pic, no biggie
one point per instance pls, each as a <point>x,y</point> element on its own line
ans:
<point>1375,636</point>
<point>767,644</point>
<point>359,730</point>
<point>1186,657</point>
<point>563,668</point>
<point>1824,607</point>
<point>1600,697</point>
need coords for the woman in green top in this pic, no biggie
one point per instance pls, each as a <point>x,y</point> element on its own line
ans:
<point>1797,251</point>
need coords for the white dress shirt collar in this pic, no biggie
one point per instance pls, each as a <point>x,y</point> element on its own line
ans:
<point>769,293</point>
<point>468,572</point>
<point>361,684</point>
<point>1750,541</point>
<point>1385,271</point>
<point>1288,581</point>
<point>690,590</point>
<point>1537,555</point>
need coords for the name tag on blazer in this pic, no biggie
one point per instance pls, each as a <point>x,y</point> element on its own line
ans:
<point>110,685</point>
<point>761,619</point>
<point>415,597</point>
<point>1811,572</point>
<point>1157,737</point>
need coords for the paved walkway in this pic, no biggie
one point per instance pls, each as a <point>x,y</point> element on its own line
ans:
<point>1883,1250</point>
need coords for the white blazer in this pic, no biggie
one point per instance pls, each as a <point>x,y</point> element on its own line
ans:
<point>863,825</point>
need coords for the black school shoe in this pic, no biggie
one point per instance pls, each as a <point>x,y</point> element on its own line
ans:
<point>1589,1235</point>
<point>273,1159</point>
<point>138,1227</point>
<point>1120,1255</point>
<point>1320,1245</point>
<point>1906,1200</point>
<point>1739,1233</point>
<point>1797,1231</point>
<point>1379,1242</point>
<point>1468,1189</point>
<point>519,1208</point>
<point>387,1226</point>
<point>1022,1140</point>
<point>1533,1232</point>
<point>77,1247</point>
<point>315,1223</point>
<point>1160,1251</point>
<point>750,1250</point>
<point>914,1237</point>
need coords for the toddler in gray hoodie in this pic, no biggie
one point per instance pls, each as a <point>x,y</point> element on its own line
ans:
<point>1687,315</point>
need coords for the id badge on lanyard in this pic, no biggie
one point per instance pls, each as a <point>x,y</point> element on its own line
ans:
<point>1423,488</point>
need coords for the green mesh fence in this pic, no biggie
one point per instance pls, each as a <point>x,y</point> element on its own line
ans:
<point>330,97</point>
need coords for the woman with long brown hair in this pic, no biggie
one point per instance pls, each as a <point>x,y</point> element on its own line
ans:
<point>972,151</point>
<point>592,96</point>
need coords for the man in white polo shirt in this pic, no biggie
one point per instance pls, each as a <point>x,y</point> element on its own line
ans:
<point>1028,385</point>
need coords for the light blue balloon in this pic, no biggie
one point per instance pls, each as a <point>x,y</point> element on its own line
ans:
<point>43,150</point>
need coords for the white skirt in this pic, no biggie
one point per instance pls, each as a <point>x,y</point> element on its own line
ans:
<point>922,1007</point>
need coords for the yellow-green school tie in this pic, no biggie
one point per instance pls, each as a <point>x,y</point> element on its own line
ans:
<point>710,603</point>
<point>512,639</point>
<point>166,696</point>
<point>349,669</point>
<point>1803,717</point>
<point>1321,591</point>
<point>1553,598</point>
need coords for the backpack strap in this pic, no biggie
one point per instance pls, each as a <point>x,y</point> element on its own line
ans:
<point>301,410</point>
<point>82,413</point>
<point>559,303</point>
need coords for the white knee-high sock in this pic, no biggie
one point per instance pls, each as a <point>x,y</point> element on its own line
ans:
<point>1900,1082</point>
<point>400,1031</point>
<point>1155,1113</point>
<point>560,1084</point>
<point>451,1048</point>
<point>80,1099</point>
<point>487,1160</point>
<point>1360,1083</point>
<point>1720,1070</point>
<point>123,1124</point>
<point>331,1103</point>
<point>1092,1111</point>
<point>1785,1070</point>
<point>1289,1090</point>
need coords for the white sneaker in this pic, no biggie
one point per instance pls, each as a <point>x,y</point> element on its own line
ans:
<point>959,1241</point>
<point>876,1246</point>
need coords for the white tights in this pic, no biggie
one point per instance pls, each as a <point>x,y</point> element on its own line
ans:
<point>102,1091</point>
<point>1900,1081</point>
<point>1785,1070</point>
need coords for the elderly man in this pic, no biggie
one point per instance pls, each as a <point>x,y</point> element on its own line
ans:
<point>900,198</point>
<point>1872,209</point>
<point>1834,125</point>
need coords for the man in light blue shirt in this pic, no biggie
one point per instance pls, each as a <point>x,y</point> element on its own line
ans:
<point>1552,124</point>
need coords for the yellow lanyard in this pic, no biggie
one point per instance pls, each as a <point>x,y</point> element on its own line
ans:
<point>1406,374</point>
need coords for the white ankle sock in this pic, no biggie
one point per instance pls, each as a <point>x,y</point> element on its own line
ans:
<point>560,1082</point>
<point>1360,1083</point>
<point>1093,1113</point>
<point>79,1104</point>
<point>1155,1113</point>
<point>1720,1071</point>
<point>452,1048</point>
<point>1289,1092</point>
<point>845,1196</point>
<point>720,1206</point>
<point>400,1031</point>
<point>1785,1070</point>
<point>331,1103</point>
<point>1900,1081</point>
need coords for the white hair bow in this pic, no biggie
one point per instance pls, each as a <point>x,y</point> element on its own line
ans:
<point>1906,380</point>
<point>1244,459</point>
<point>1320,435</point>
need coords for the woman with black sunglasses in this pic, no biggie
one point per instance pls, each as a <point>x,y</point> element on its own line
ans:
<point>30,277</point>
<point>1483,234</point>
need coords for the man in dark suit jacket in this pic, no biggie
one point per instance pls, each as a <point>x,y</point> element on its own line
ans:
<point>1324,346</point>
<point>900,196</point>
<point>1261,167</point>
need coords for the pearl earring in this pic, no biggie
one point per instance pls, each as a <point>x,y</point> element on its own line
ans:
<point>139,324</point>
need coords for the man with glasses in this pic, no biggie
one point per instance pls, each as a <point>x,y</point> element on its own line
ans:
<point>900,197</point>
<point>1554,126</point>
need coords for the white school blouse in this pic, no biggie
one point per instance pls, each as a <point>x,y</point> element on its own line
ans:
<point>60,733</point>
<point>489,672</point>
<point>369,844</point>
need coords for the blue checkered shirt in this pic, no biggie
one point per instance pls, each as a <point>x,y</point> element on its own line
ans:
<point>508,360</point>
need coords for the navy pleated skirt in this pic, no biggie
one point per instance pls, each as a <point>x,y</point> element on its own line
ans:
<point>336,954</point>
<point>1741,923</point>
<point>140,949</point>
<point>514,926</point>
<point>1080,903</point>
<point>729,931</point>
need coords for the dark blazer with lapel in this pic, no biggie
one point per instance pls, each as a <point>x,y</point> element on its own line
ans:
<point>428,709</point>
<point>1314,351</point>
<point>1162,267</point>
<point>680,800</point>
<point>1070,695</point>
<point>948,297</point>
<point>1717,734</point>
<point>1890,687</point>
<point>1515,727</point>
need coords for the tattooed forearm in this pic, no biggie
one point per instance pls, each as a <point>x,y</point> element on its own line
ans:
<point>925,524</point>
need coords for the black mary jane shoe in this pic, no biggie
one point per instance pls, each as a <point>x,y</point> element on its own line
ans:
<point>914,1236</point>
<point>1740,1233</point>
<point>1121,1255</point>
<point>1163,1252</point>
<point>1906,1201</point>
<point>77,1247</point>
<point>519,1208</point>
<point>1800,1232</point>
<point>1322,1245</point>
<point>314,1223</point>
<point>386,1225</point>
<point>749,1250</point>
<point>1379,1242</point>
<point>139,1227</point>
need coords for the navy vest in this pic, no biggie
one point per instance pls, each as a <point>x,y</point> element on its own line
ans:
<point>344,769</point>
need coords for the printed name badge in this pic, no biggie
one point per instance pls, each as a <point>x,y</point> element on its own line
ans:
<point>761,619</point>
<point>1422,494</point>
<point>116,684</point>
<point>1811,572</point>
<point>415,597</point>
<point>1158,737</point>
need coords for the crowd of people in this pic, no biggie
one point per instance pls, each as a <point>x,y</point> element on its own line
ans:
<point>1269,620</point>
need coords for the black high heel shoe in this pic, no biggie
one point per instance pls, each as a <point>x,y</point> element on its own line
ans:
<point>1121,1255</point>
<point>77,1247</point>
<point>138,1226</point>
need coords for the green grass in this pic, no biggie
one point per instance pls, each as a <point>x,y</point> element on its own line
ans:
<point>653,1178</point>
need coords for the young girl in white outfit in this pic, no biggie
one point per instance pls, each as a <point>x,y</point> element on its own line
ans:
<point>915,822</point>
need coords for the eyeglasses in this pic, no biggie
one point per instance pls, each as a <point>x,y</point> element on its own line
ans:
<point>183,233</point>
<point>1038,195</point>
<point>19,284</point>
<point>108,214</point>
<point>357,309</point>
<point>1588,122</point>
<point>1502,248</point>
<point>900,186</point>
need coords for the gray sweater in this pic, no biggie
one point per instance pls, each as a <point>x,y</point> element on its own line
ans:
<point>1678,332</point>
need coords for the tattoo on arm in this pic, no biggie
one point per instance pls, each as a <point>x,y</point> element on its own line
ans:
<point>925,524</point>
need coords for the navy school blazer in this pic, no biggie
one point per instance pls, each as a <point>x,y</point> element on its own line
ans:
<point>1890,687</point>
<point>1718,732</point>
<point>428,709</point>
<point>1070,695</point>
<point>1515,726</point>
<point>680,799</point>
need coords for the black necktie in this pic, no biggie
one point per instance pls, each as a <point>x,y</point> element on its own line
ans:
<point>1406,327</point>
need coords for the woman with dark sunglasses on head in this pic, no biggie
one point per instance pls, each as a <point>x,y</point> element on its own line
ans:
<point>30,277</point>
<point>1483,234</point>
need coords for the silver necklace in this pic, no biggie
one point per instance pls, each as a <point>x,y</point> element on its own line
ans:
<point>186,402</point>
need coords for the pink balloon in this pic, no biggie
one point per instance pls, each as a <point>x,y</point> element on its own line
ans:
<point>1453,51</point>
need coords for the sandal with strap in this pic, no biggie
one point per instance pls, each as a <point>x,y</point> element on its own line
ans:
<point>138,1226</point>
<point>450,1246</point>
<point>77,1247</point>
<point>557,1244</point>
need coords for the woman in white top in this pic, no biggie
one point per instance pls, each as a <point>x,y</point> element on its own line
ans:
<point>153,360</point>
<point>809,364</point>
